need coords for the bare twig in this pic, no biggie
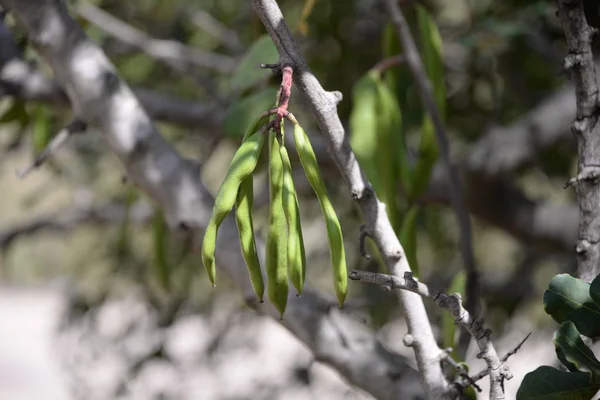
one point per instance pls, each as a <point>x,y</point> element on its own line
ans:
<point>482,374</point>
<point>456,195</point>
<point>74,217</point>
<point>229,38</point>
<point>323,104</point>
<point>75,126</point>
<point>171,52</point>
<point>462,373</point>
<point>453,304</point>
<point>389,62</point>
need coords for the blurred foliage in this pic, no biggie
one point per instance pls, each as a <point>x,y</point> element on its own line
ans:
<point>500,59</point>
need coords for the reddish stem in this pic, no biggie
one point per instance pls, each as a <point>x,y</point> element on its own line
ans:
<point>284,97</point>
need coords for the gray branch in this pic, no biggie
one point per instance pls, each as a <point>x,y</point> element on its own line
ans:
<point>580,64</point>
<point>497,369</point>
<point>323,105</point>
<point>173,53</point>
<point>100,98</point>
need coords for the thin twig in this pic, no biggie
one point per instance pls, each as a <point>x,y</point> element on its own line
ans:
<point>389,62</point>
<point>173,53</point>
<point>453,304</point>
<point>482,374</point>
<point>460,369</point>
<point>75,126</point>
<point>205,21</point>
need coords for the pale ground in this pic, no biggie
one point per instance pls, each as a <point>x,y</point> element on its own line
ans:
<point>29,369</point>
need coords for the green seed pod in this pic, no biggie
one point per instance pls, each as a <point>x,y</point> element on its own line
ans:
<point>295,246</point>
<point>243,219</point>
<point>242,165</point>
<point>334,231</point>
<point>277,282</point>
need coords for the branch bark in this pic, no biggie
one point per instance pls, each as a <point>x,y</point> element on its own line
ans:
<point>498,370</point>
<point>102,100</point>
<point>323,105</point>
<point>580,64</point>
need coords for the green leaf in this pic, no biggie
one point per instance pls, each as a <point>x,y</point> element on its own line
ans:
<point>575,354</point>
<point>547,383</point>
<point>16,112</point>
<point>390,159</point>
<point>123,242</point>
<point>408,237</point>
<point>568,299</point>
<point>363,125</point>
<point>431,44</point>
<point>448,324</point>
<point>241,113</point>
<point>248,73</point>
<point>161,261</point>
<point>595,290</point>
<point>42,128</point>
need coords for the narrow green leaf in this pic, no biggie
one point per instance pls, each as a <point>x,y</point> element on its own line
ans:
<point>16,113</point>
<point>572,349</point>
<point>431,47</point>
<point>390,159</point>
<point>547,383</point>
<point>248,73</point>
<point>568,299</point>
<point>241,113</point>
<point>122,243</point>
<point>42,128</point>
<point>161,259</point>
<point>363,125</point>
<point>408,237</point>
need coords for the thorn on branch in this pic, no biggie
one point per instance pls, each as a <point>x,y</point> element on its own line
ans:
<point>588,173</point>
<point>482,374</point>
<point>74,127</point>
<point>362,238</point>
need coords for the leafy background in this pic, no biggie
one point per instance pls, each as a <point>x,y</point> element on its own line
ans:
<point>500,60</point>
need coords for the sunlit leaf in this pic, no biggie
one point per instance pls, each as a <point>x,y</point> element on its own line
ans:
<point>248,72</point>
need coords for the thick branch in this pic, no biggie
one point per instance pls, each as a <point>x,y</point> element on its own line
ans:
<point>21,79</point>
<point>323,104</point>
<point>104,101</point>
<point>580,64</point>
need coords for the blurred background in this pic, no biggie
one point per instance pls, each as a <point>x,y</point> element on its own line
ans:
<point>99,301</point>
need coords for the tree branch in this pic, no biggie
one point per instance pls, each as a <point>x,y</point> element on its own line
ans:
<point>453,304</point>
<point>580,64</point>
<point>102,100</point>
<point>323,105</point>
<point>173,53</point>
<point>22,80</point>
